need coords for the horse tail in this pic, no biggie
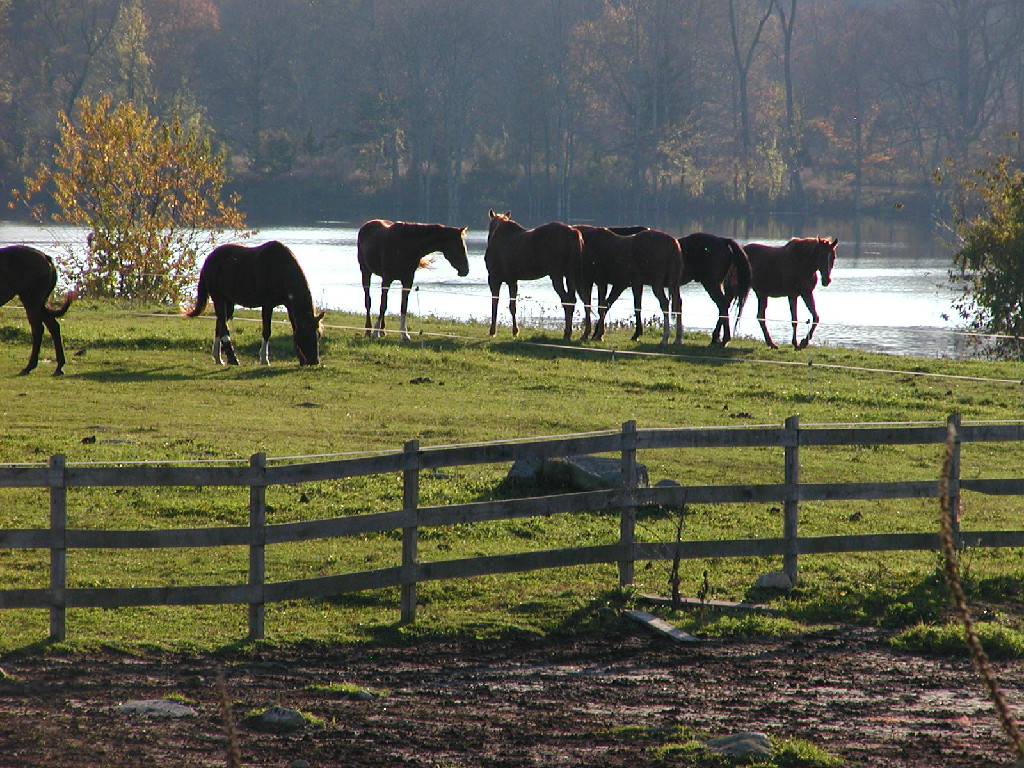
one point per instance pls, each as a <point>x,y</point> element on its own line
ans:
<point>739,277</point>
<point>202,297</point>
<point>58,312</point>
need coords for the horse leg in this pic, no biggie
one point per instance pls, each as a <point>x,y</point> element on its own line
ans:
<point>495,294</point>
<point>721,332</point>
<point>637,299</point>
<point>792,315</point>
<point>35,324</point>
<point>58,346</point>
<point>666,315</point>
<point>567,295</point>
<point>267,314</point>
<point>809,303</point>
<point>513,291</point>
<point>762,305</point>
<point>366,299</point>
<point>223,336</point>
<point>607,294</point>
<point>677,308</point>
<point>378,329</point>
<point>723,319</point>
<point>586,294</point>
<point>405,308</point>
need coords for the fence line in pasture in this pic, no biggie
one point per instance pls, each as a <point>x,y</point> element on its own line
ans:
<point>58,478</point>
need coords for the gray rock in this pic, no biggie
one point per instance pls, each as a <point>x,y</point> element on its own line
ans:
<point>278,719</point>
<point>575,473</point>
<point>747,744</point>
<point>774,580</point>
<point>155,708</point>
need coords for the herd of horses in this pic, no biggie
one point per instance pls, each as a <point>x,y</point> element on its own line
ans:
<point>577,259</point>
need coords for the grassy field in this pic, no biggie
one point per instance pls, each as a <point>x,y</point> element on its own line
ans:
<point>140,386</point>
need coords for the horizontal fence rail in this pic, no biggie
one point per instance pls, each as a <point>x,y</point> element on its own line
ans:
<point>57,478</point>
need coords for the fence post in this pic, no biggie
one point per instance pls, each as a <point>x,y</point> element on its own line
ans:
<point>58,547</point>
<point>627,516</point>
<point>791,471</point>
<point>953,480</point>
<point>257,544</point>
<point>410,534</point>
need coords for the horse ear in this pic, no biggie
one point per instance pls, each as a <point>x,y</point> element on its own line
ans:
<point>491,213</point>
<point>319,317</point>
<point>834,242</point>
<point>463,230</point>
<point>508,214</point>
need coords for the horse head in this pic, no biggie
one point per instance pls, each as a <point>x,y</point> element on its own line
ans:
<point>306,334</point>
<point>456,254</point>
<point>826,258</point>
<point>497,219</point>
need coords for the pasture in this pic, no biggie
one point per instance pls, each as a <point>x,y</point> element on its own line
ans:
<point>139,386</point>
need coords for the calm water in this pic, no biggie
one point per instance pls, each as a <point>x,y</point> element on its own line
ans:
<point>889,291</point>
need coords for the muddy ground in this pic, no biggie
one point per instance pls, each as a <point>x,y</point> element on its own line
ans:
<point>529,702</point>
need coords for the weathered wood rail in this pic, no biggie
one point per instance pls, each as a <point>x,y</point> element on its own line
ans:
<point>57,478</point>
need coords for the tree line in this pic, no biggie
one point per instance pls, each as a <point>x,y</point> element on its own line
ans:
<point>435,110</point>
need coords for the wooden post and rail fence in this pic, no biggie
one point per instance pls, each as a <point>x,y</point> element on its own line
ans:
<point>58,477</point>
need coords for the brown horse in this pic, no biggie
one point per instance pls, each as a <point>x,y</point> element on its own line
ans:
<point>395,250</point>
<point>790,270</point>
<point>616,260</point>
<point>714,261</point>
<point>31,276</point>
<point>515,253</point>
<point>606,261</point>
<point>264,276</point>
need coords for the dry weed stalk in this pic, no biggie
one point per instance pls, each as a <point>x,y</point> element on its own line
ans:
<point>224,702</point>
<point>952,574</point>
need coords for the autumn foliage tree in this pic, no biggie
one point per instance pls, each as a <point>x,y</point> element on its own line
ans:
<point>148,191</point>
<point>989,269</point>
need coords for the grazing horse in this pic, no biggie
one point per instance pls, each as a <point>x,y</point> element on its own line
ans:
<point>790,270</point>
<point>631,257</point>
<point>264,276</point>
<point>515,253</point>
<point>31,276</point>
<point>395,250</point>
<point>714,261</point>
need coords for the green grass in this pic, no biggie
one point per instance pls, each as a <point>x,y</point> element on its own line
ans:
<point>998,640</point>
<point>692,746</point>
<point>140,386</point>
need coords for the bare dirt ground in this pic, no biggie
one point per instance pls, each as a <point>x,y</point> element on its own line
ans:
<point>530,702</point>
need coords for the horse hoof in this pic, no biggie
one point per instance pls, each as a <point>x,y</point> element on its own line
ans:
<point>804,343</point>
<point>24,371</point>
<point>58,372</point>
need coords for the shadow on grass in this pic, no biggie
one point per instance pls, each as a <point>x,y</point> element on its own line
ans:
<point>543,347</point>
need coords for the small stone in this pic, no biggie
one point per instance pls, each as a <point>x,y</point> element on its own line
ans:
<point>747,744</point>
<point>156,708</point>
<point>278,719</point>
<point>774,580</point>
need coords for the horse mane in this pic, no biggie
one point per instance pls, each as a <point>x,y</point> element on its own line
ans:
<point>798,247</point>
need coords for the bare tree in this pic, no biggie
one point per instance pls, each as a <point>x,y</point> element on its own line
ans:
<point>743,57</point>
